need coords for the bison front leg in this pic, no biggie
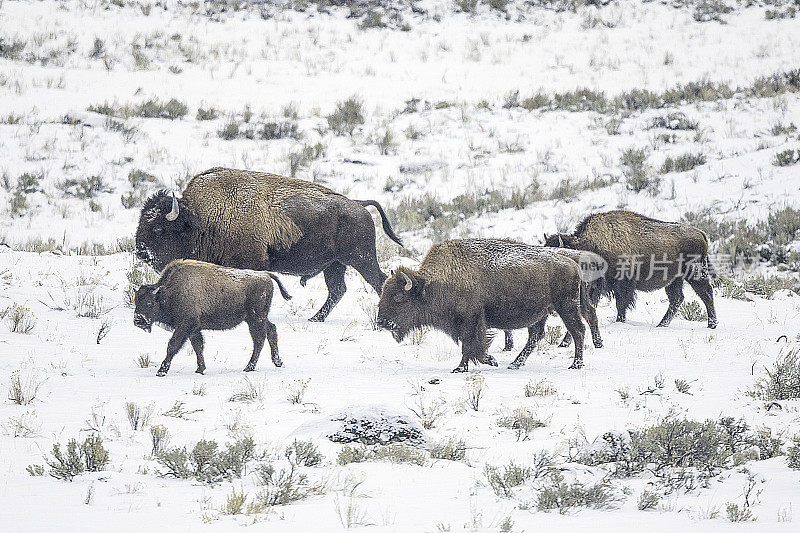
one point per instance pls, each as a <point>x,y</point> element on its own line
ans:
<point>624,296</point>
<point>473,343</point>
<point>176,342</point>
<point>197,345</point>
<point>675,296</point>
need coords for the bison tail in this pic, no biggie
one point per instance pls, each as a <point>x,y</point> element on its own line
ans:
<point>284,293</point>
<point>384,220</point>
<point>595,289</point>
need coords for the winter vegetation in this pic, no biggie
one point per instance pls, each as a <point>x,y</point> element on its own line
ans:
<point>463,118</point>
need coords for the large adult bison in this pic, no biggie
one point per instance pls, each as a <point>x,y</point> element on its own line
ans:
<point>644,254</point>
<point>192,296</point>
<point>260,221</point>
<point>465,286</point>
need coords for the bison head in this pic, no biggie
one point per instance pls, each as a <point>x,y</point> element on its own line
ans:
<point>167,230</point>
<point>403,304</point>
<point>559,240</point>
<point>147,307</point>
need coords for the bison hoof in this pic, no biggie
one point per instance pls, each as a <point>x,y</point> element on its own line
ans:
<point>200,371</point>
<point>712,325</point>
<point>575,365</point>
<point>277,363</point>
<point>513,366</point>
<point>459,369</point>
<point>161,372</point>
<point>489,361</point>
<point>317,318</point>
<point>598,344</point>
<point>564,344</point>
<point>249,368</point>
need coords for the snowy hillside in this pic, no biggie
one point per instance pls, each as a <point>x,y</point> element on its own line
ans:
<point>465,118</point>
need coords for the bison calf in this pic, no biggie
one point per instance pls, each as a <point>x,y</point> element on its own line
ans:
<point>192,296</point>
<point>465,286</point>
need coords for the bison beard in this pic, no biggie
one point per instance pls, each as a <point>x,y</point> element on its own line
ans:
<point>260,221</point>
<point>192,296</point>
<point>465,286</point>
<point>619,236</point>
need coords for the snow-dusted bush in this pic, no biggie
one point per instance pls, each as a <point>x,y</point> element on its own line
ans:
<point>282,486</point>
<point>782,381</point>
<point>682,163</point>
<point>639,175</point>
<point>90,456</point>
<point>206,462</point>
<point>22,390</point>
<point>303,453</point>
<point>352,454</point>
<point>138,417</point>
<point>693,311</point>
<point>349,114</point>
<point>20,319</point>
<point>522,420</point>
<point>557,494</point>
<point>450,449</point>
<point>159,436</point>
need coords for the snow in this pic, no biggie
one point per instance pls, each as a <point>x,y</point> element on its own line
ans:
<point>314,60</point>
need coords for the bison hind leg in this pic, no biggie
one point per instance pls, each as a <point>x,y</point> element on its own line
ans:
<point>535,334</point>
<point>334,279</point>
<point>703,289</point>
<point>571,316</point>
<point>197,345</point>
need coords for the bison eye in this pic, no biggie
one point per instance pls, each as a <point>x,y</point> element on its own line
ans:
<point>158,230</point>
<point>399,298</point>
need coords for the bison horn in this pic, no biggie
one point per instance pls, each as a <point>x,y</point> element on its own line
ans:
<point>172,215</point>
<point>560,241</point>
<point>408,281</point>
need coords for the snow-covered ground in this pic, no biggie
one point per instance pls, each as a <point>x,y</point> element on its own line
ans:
<point>461,139</point>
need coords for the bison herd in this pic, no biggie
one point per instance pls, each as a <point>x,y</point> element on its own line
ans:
<point>218,245</point>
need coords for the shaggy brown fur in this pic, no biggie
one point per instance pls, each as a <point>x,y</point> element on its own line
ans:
<point>236,205</point>
<point>465,286</point>
<point>192,296</point>
<point>618,236</point>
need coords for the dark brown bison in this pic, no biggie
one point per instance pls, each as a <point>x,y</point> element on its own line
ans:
<point>592,287</point>
<point>465,286</point>
<point>191,296</point>
<point>245,219</point>
<point>644,254</point>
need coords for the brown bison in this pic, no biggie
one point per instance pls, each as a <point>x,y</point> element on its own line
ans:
<point>465,286</point>
<point>644,254</point>
<point>592,287</point>
<point>245,219</point>
<point>191,296</point>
